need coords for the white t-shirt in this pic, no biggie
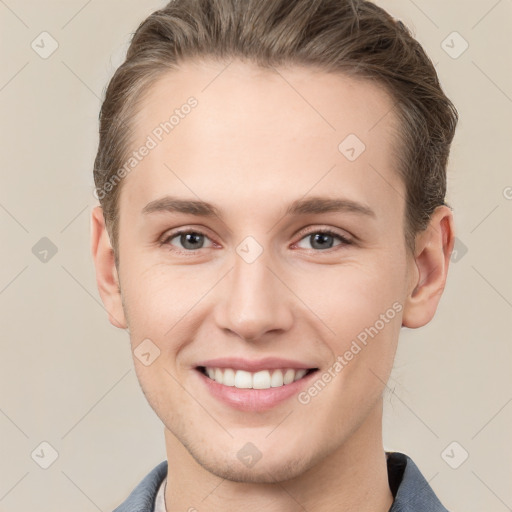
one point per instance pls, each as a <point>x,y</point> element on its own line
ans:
<point>160,498</point>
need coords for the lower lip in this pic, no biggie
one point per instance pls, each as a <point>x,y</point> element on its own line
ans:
<point>253,399</point>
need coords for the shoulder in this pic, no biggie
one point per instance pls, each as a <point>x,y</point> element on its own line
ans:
<point>410,489</point>
<point>142,498</point>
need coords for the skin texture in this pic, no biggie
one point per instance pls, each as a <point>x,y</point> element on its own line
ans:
<point>257,141</point>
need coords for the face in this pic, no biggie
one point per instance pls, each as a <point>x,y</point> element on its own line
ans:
<point>296,262</point>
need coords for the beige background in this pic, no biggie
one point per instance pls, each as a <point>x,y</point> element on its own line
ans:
<point>66,375</point>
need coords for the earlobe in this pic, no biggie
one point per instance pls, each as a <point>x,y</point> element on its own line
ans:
<point>107,278</point>
<point>432,258</point>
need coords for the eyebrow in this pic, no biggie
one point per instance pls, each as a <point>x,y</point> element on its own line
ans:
<point>313,205</point>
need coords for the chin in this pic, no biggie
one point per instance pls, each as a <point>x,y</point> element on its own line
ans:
<point>260,473</point>
<point>278,467</point>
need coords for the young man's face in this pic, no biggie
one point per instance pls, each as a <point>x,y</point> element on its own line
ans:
<point>255,284</point>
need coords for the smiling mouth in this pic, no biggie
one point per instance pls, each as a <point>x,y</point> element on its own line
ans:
<point>264,379</point>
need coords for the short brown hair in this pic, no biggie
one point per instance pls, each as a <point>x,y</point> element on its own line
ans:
<point>353,37</point>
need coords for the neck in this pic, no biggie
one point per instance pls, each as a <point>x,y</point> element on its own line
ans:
<point>353,477</point>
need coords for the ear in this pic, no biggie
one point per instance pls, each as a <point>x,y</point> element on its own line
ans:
<point>429,268</point>
<point>107,278</point>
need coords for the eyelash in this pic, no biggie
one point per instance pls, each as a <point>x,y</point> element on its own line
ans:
<point>345,241</point>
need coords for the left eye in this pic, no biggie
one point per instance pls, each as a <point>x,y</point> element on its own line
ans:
<point>323,239</point>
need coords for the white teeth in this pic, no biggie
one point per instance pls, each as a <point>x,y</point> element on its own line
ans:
<point>228,378</point>
<point>289,376</point>
<point>299,374</point>
<point>263,379</point>
<point>243,379</point>
<point>277,379</point>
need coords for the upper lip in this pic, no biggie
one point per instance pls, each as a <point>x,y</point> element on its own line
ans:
<point>254,365</point>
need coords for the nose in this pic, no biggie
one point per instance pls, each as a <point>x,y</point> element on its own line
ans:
<point>254,300</point>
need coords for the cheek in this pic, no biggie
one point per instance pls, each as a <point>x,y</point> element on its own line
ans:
<point>362,305</point>
<point>164,306</point>
<point>158,295</point>
<point>370,323</point>
<point>350,297</point>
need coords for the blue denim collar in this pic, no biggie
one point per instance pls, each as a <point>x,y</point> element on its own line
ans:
<point>412,493</point>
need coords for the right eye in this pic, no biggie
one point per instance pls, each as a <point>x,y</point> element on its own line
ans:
<point>190,240</point>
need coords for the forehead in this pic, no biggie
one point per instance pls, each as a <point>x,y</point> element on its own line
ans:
<point>262,98</point>
<point>270,131</point>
